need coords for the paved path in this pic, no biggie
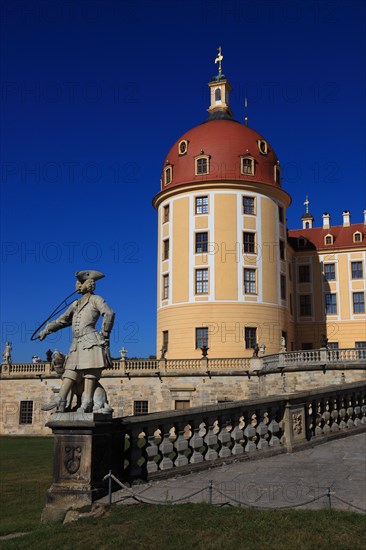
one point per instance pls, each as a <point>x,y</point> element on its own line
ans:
<point>278,481</point>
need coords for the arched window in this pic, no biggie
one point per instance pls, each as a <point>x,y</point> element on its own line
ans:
<point>218,95</point>
<point>357,237</point>
<point>168,175</point>
<point>328,239</point>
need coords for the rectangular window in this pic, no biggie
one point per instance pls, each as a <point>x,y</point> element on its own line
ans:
<point>201,205</point>
<point>283,287</point>
<point>202,166</point>
<point>181,404</point>
<point>250,335</point>
<point>26,412</point>
<point>201,337</point>
<point>304,273</point>
<point>250,286</point>
<point>282,249</point>
<point>201,281</point>
<point>249,242</point>
<point>331,304</point>
<point>329,272</point>
<point>247,166</point>
<point>166,213</point>
<point>248,205</point>
<point>305,305</point>
<point>165,287</point>
<point>140,407</point>
<point>280,214</point>
<point>333,345</point>
<point>201,242</point>
<point>358,302</point>
<point>360,345</point>
<point>357,271</point>
<point>165,339</point>
<point>166,249</point>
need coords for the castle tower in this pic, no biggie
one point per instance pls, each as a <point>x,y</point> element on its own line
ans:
<point>222,271</point>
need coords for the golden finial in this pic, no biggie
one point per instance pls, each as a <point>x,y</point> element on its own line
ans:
<point>306,203</point>
<point>219,58</point>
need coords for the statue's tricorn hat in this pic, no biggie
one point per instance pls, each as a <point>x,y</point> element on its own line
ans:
<point>83,276</point>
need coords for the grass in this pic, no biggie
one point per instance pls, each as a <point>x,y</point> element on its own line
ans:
<point>26,474</point>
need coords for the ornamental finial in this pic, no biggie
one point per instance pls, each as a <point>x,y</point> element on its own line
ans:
<point>219,58</point>
<point>306,203</point>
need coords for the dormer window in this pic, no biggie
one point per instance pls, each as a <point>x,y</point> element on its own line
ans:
<point>202,165</point>
<point>247,165</point>
<point>328,239</point>
<point>168,175</point>
<point>357,237</point>
<point>182,147</point>
<point>262,146</point>
<point>301,242</point>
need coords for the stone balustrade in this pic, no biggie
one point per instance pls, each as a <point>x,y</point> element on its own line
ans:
<point>293,360</point>
<point>315,358</point>
<point>202,436</point>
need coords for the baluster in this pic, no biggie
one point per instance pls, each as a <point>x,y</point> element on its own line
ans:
<point>181,446</point>
<point>363,411</point>
<point>251,436</point>
<point>342,414</point>
<point>335,416</point>
<point>274,428</point>
<point>326,416</point>
<point>151,453</point>
<point>225,439</point>
<point>237,436</point>
<point>196,442</point>
<point>350,412</point>
<point>262,431</point>
<point>211,441</point>
<point>166,447</point>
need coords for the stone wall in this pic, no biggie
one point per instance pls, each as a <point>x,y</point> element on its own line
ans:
<point>162,391</point>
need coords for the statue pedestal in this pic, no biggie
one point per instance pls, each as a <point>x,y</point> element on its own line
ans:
<point>86,447</point>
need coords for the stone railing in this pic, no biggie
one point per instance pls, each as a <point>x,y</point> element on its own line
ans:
<point>293,360</point>
<point>315,357</point>
<point>202,436</point>
<point>34,369</point>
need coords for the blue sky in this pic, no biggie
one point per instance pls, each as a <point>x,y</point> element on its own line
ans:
<point>94,94</point>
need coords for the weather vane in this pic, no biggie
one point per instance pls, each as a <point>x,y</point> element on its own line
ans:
<point>219,58</point>
<point>306,202</point>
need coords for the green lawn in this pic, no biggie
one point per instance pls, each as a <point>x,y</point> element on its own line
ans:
<point>26,474</point>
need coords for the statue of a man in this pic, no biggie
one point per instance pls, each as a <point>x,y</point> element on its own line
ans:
<point>7,353</point>
<point>89,351</point>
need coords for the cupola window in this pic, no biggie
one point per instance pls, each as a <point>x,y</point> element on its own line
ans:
<point>262,146</point>
<point>328,239</point>
<point>168,175</point>
<point>357,237</point>
<point>247,166</point>
<point>202,165</point>
<point>277,174</point>
<point>217,95</point>
<point>183,147</point>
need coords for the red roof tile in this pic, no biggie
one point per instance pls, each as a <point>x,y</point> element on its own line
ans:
<point>342,237</point>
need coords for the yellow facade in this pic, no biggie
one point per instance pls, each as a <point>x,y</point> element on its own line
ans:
<point>223,308</point>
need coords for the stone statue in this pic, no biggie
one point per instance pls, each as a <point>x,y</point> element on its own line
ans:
<point>89,351</point>
<point>283,344</point>
<point>7,353</point>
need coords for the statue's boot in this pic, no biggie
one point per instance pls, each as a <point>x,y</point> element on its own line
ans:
<point>86,405</point>
<point>59,403</point>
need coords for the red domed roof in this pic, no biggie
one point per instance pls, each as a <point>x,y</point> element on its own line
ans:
<point>225,142</point>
